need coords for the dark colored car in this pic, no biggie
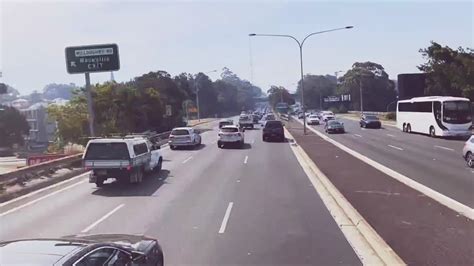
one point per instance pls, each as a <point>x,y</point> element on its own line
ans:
<point>256,118</point>
<point>334,126</point>
<point>370,121</point>
<point>84,250</point>
<point>273,129</point>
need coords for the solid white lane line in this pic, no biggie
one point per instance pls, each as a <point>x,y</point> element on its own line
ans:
<point>433,194</point>
<point>246,158</point>
<point>364,240</point>
<point>187,159</point>
<point>395,147</point>
<point>444,148</point>
<point>41,198</point>
<point>390,135</point>
<point>226,218</point>
<point>41,190</point>
<point>102,218</point>
<point>360,136</point>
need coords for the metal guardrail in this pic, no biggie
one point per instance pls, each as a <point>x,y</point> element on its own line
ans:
<point>29,172</point>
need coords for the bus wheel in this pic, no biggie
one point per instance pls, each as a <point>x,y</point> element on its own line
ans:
<point>408,128</point>
<point>432,132</point>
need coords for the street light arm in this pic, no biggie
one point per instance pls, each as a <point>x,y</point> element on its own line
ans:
<point>276,35</point>
<point>324,31</point>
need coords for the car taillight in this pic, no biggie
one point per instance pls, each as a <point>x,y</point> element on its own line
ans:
<point>86,168</point>
<point>129,167</point>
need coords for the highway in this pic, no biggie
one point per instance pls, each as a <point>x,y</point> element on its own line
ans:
<point>434,162</point>
<point>207,206</point>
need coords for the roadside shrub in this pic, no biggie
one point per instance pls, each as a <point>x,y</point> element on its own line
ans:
<point>334,110</point>
<point>391,116</point>
<point>342,109</point>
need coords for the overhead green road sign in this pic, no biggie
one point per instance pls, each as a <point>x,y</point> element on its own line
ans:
<point>92,58</point>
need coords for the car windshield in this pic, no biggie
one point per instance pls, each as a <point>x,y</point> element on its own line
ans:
<point>180,132</point>
<point>457,112</point>
<point>107,151</point>
<point>371,117</point>
<point>229,129</point>
<point>273,124</point>
<point>240,132</point>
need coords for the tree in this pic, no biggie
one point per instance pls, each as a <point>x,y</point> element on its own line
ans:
<point>13,127</point>
<point>316,87</point>
<point>279,94</point>
<point>377,89</point>
<point>71,119</point>
<point>10,95</point>
<point>64,91</point>
<point>449,72</point>
<point>246,91</point>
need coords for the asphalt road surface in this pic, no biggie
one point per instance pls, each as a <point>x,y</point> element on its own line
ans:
<point>208,206</point>
<point>434,162</point>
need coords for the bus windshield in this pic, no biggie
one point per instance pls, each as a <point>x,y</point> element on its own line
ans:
<point>457,112</point>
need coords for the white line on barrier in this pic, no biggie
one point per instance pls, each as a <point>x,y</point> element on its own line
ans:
<point>41,198</point>
<point>42,189</point>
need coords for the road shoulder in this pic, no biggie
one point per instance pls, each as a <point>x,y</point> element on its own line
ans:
<point>419,229</point>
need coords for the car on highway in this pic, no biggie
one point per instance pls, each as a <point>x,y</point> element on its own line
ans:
<point>255,118</point>
<point>370,121</point>
<point>105,249</point>
<point>300,115</point>
<point>334,126</point>
<point>273,129</point>
<point>225,122</point>
<point>184,137</point>
<point>246,121</point>
<point>327,117</point>
<point>124,159</point>
<point>313,120</point>
<point>269,116</point>
<point>468,152</point>
<point>231,135</point>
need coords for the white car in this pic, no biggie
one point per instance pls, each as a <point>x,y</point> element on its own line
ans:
<point>313,120</point>
<point>184,137</point>
<point>327,117</point>
<point>231,135</point>
<point>246,121</point>
<point>468,152</point>
<point>125,159</point>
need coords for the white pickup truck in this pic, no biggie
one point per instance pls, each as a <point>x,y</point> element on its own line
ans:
<point>124,159</point>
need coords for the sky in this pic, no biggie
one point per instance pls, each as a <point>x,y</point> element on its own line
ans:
<point>201,36</point>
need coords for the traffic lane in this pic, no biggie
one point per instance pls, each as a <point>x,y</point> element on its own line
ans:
<point>455,144</point>
<point>277,216</point>
<point>419,229</point>
<point>190,219</point>
<point>424,148</point>
<point>70,217</point>
<point>445,174</point>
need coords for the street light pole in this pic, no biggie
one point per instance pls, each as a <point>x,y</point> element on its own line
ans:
<point>197,94</point>
<point>300,45</point>
<point>361,97</point>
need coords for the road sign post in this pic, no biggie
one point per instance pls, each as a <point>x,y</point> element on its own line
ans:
<point>88,59</point>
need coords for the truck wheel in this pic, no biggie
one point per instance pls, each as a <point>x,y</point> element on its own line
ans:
<point>99,182</point>
<point>137,176</point>
<point>159,165</point>
<point>172,147</point>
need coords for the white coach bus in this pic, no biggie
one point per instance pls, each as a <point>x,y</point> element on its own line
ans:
<point>435,115</point>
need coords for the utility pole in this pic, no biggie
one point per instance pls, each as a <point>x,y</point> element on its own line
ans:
<point>361,97</point>
<point>89,105</point>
